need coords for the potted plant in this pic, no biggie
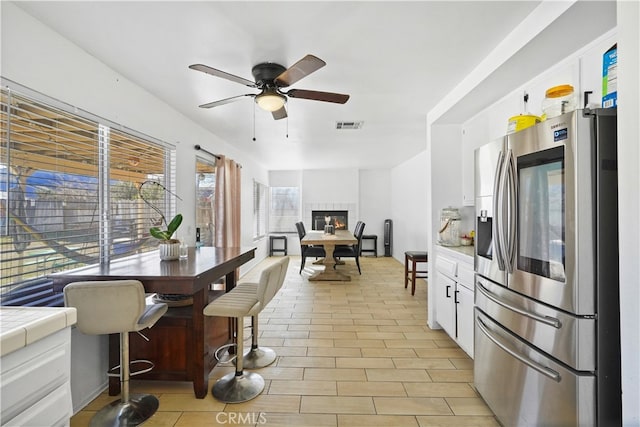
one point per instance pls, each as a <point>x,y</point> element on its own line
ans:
<point>148,191</point>
<point>169,247</point>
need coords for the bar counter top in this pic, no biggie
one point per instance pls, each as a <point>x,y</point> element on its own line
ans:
<point>21,326</point>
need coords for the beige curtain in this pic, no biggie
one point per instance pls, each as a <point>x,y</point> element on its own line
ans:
<point>227,203</point>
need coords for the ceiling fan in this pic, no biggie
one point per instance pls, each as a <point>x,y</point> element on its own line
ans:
<point>270,78</point>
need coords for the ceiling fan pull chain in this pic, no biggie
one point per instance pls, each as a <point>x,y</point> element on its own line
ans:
<point>254,122</point>
<point>287,135</point>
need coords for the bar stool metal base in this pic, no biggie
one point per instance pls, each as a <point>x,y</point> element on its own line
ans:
<point>259,358</point>
<point>234,388</point>
<point>137,410</point>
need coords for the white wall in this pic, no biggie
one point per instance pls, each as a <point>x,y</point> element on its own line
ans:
<point>409,195</point>
<point>369,191</point>
<point>375,203</point>
<point>42,60</point>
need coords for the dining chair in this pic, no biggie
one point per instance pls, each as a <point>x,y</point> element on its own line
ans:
<point>117,307</point>
<point>306,250</point>
<point>352,251</point>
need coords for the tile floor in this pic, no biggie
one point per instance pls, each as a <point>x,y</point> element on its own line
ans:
<point>354,353</point>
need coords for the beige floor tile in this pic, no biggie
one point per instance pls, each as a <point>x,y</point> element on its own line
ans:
<point>299,420</point>
<point>217,419</point>
<point>363,362</point>
<point>370,388</point>
<point>305,387</point>
<point>306,362</point>
<point>337,405</point>
<point>288,351</point>
<point>377,421</point>
<point>267,403</point>
<point>468,406</point>
<point>388,352</point>
<point>333,334</point>
<point>164,419</point>
<point>308,342</point>
<point>280,373</point>
<point>452,353</point>
<point>380,335</point>
<point>458,421</point>
<point>412,406</point>
<point>417,375</point>
<point>355,328</point>
<point>188,402</point>
<point>434,389</point>
<point>310,327</point>
<point>335,374</point>
<point>466,363</point>
<point>450,375</point>
<point>408,363</point>
<point>360,343</point>
<point>333,352</point>
<point>404,343</point>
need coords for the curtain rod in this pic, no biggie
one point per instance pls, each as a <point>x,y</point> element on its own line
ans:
<point>197,147</point>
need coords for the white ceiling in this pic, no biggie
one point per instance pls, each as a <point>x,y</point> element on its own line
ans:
<point>395,59</point>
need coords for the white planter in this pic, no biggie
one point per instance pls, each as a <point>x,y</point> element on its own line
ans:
<point>169,251</point>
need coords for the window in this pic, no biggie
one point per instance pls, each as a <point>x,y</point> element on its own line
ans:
<point>205,191</point>
<point>284,209</point>
<point>259,210</point>
<point>69,191</point>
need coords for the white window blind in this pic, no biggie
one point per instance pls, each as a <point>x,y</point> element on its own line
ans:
<point>284,209</point>
<point>69,190</point>
<point>259,210</point>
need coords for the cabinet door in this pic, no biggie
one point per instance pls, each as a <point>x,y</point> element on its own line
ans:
<point>445,314</point>
<point>464,317</point>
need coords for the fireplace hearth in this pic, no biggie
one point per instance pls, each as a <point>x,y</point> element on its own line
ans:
<point>339,219</point>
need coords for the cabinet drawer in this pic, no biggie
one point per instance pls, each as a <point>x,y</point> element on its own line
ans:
<point>52,410</point>
<point>446,267</point>
<point>466,276</point>
<point>44,366</point>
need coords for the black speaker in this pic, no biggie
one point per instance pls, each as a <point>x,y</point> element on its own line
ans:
<point>388,236</point>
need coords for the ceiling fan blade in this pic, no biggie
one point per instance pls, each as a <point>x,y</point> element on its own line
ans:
<point>299,70</point>
<point>225,101</point>
<point>338,98</point>
<point>217,73</point>
<point>280,114</point>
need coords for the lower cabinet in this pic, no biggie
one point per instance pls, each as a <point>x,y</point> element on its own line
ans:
<point>454,297</point>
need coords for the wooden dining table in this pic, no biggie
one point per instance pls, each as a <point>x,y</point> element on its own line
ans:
<point>329,242</point>
<point>183,342</point>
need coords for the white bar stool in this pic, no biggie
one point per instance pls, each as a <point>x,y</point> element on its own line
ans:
<point>109,307</point>
<point>240,386</point>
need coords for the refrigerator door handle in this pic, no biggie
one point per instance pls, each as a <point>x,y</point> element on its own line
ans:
<point>547,320</point>
<point>510,185</point>
<point>504,207</point>
<point>497,202</point>
<point>550,373</point>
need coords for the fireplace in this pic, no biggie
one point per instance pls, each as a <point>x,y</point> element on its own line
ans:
<point>339,219</point>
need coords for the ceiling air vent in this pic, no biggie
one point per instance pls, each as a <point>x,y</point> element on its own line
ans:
<point>349,125</point>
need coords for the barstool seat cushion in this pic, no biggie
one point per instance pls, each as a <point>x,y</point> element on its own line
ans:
<point>233,304</point>
<point>418,255</point>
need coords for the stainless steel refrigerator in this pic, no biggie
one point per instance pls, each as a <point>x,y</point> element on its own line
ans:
<point>547,336</point>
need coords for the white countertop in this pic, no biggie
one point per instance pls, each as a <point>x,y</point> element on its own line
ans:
<point>21,326</point>
<point>464,250</point>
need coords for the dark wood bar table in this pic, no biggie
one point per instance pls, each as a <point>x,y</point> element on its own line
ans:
<point>183,341</point>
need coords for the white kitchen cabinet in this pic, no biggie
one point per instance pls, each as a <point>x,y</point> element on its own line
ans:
<point>454,285</point>
<point>36,366</point>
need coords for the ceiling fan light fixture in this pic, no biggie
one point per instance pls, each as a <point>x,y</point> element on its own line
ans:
<point>270,101</point>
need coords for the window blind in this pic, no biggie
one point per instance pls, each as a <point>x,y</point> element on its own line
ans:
<point>259,210</point>
<point>284,209</point>
<point>69,190</point>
